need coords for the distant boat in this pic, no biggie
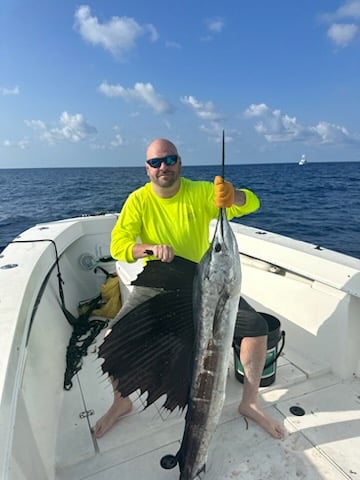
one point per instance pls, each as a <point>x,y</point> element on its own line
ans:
<point>302,160</point>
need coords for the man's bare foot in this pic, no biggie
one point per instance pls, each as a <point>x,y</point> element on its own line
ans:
<point>267,423</point>
<point>121,406</point>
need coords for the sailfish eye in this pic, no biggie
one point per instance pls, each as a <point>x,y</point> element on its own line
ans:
<point>218,247</point>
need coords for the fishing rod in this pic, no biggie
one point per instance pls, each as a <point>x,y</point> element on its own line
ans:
<point>223,156</point>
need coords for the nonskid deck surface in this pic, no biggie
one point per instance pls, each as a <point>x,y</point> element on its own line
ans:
<point>322,444</point>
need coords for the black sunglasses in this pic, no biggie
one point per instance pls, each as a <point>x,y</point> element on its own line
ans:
<point>169,160</point>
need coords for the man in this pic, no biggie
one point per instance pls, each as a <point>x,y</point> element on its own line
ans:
<point>170,215</point>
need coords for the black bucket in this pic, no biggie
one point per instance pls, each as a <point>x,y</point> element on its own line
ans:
<point>272,354</point>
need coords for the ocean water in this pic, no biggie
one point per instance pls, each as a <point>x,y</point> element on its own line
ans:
<point>318,203</point>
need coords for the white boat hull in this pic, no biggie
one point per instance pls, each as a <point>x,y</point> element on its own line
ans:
<point>314,293</point>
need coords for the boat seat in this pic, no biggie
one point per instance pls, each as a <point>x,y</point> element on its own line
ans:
<point>127,272</point>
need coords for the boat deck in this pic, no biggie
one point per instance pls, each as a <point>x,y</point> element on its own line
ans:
<point>322,444</point>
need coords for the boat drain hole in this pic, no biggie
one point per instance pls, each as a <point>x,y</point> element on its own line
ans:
<point>298,411</point>
<point>168,462</point>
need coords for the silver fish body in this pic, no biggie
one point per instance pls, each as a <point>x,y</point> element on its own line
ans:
<point>216,297</point>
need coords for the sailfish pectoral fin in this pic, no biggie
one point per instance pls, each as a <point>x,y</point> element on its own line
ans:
<point>218,315</point>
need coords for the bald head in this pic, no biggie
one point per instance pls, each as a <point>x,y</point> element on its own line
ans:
<point>160,148</point>
<point>165,179</point>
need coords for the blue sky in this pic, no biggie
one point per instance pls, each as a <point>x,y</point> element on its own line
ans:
<point>90,84</point>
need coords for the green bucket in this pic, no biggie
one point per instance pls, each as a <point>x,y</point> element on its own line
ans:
<point>275,335</point>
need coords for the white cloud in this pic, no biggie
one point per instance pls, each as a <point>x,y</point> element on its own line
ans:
<point>330,133</point>
<point>118,141</point>
<point>10,91</point>
<point>256,110</point>
<point>342,34</point>
<point>36,124</point>
<point>214,132</point>
<point>278,127</point>
<point>175,45</point>
<point>71,128</point>
<point>349,9</point>
<point>98,146</point>
<point>118,36</point>
<point>215,25</point>
<point>213,129</point>
<point>142,92</point>
<point>22,144</point>
<point>204,110</point>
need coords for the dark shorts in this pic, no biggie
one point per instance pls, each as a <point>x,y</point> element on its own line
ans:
<point>249,323</point>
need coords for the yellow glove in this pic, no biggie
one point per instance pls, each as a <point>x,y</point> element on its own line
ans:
<point>224,193</point>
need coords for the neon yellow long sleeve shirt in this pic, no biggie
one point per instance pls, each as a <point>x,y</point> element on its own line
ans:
<point>181,221</point>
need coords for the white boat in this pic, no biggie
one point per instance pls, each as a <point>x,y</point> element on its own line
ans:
<point>303,160</point>
<point>46,431</point>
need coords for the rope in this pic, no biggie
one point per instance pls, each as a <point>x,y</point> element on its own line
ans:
<point>84,330</point>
